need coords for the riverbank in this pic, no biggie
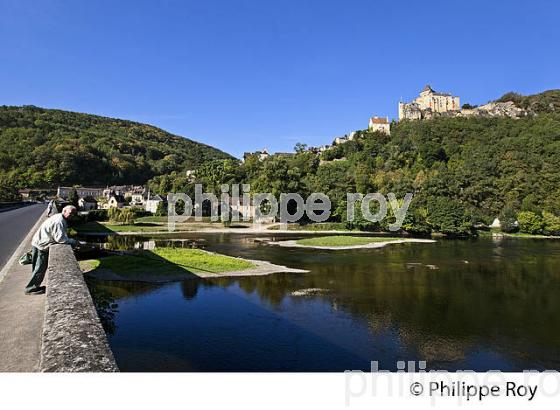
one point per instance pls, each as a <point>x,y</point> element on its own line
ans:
<point>158,227</point>
<point>106,229</point>
<point>346,242</point>
<point>499,234</point>
<point>168,265</point>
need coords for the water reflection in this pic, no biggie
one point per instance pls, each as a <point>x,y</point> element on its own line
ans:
<point>477,304</point>
<point>127,242</point>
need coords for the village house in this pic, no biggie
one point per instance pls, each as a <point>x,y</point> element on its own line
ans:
<point>380,124</point>
<point>261,155</point>
<point>245,210</point>
<point>137,199</point>
<point>125,190</point>
<point>64,191</point>
<point>87,203</point>
<point>242,209</point>
<point>116,201</point>
<point>152,202</point>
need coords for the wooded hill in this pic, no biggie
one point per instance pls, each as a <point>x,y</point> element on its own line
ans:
<point>43,147</point>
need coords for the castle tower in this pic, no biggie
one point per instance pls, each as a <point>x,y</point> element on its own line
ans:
<point>427,103</point>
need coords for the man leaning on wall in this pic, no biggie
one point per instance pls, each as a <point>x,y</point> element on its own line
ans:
<point>53,231</point>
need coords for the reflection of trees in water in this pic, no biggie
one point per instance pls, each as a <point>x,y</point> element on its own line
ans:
<point>125,290</point>
<point>105,294</point>
<point>508,304</point>
<point>271,288</point>
<point>105,306</point>
<point>122,242</point>
<point>128,242</point>
<point>189,288</point>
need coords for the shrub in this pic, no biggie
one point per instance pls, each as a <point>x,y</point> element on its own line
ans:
<point>161,209</point>
<point>551,223</point>
<point>97,215</point>
<point>140,212</point>
<point>361,223</point>
<point>448,216</point>
<point>530,222</point>
<point>415,222</point>
<point>122,216</point>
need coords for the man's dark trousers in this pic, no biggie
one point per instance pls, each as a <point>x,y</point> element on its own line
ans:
<point>40,260</point>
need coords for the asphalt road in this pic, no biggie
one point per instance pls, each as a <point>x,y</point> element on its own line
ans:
<point>14,226</point>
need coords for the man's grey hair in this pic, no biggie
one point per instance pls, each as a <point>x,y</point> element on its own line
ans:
<point>70,209</point>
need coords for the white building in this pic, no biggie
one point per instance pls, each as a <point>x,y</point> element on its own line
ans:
<point>152,203</point>
<point>87,203</point>
<point>116,201</point>
<point>137,199</point>
<point>380,124</point>
<point>261,155</point>
<point>64,191</point>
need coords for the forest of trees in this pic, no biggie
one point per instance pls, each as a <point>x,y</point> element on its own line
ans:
<point>46,148</point>
<point>462,171</point>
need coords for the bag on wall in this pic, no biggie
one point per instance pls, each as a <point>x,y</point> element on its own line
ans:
<point>25,259</point>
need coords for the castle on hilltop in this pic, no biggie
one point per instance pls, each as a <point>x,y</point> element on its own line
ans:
<point>428,103</point>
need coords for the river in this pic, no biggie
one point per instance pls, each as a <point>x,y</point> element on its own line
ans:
<point>480,304</point>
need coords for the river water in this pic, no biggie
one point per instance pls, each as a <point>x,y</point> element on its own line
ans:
<point>481,304</point>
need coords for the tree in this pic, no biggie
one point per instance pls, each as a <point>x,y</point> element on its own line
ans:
<point>415,221</point>
<point>448,216</point>
<point>123,216</point>
<point>73,197</point>
<point>361,223</point>
<point>8,190</point>
<point>299,147</point>
<point>213,174</point>
<point>530,222</point>
<point>508,220</point>
<point>161,209</point>
<point>551,223</point>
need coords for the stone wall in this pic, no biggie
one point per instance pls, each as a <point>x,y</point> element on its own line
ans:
<point>73,338</point>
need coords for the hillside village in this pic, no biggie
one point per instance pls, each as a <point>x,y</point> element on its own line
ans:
<point>116,196</point>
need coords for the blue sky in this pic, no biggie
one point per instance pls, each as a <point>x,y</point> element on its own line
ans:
<point>246,74</point>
